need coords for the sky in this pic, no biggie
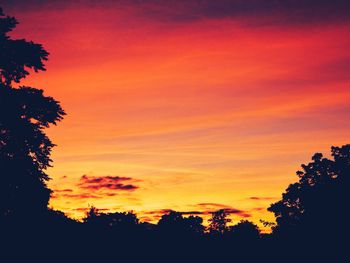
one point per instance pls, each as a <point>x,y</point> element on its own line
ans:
<point>190,105</point>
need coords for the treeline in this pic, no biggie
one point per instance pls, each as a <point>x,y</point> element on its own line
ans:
<point>174,223</point>
<point>311,223</point>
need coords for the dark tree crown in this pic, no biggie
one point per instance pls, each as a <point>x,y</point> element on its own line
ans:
<point>17,56</point>
<point>24,114</point>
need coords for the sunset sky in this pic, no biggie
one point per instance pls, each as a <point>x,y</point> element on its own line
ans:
<point>188,105</point>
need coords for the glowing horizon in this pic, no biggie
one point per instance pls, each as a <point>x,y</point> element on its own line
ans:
<point>188,114</point>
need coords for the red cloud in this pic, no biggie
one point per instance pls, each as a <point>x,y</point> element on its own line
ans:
<point>106,182</point>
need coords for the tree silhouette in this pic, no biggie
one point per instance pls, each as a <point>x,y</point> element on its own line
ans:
<point>218,222</point>
<point>309,205</point>
<point>19,55</point>
<point>91,215</point>
<point>171,222</point>
<point>174,223</point>
<point>195,224</point>
<point>115,223</point>
<point>111,220</point>
<point>245,231</point>
<point>24,114</point>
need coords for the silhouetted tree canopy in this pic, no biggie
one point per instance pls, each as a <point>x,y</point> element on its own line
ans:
<point>312,203</point>
<point>24,114</point>
<point>245,231</point>
<point>91,215</point>
<point>195,224</point>
<point>19,55</point>
<point>111,220</point>
<point>218,222</point>
<point>174,223</point>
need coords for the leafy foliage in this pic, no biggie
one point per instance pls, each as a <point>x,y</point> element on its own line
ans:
<point>17,56</point>
<point>174,223</point>
<point>245,231</point>
<point>320,195</point>
<point>218,222</point>
<point>24,114</point>
<point>111,220</point>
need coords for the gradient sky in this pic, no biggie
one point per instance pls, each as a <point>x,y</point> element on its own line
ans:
<point>188,105</point>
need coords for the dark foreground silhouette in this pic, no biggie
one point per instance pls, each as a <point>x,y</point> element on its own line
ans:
<point>312,219</point>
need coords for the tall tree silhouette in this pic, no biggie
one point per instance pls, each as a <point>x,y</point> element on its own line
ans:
<point>310,205</point>
<point>24,114</point>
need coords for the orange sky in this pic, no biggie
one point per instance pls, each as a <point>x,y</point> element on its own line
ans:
<point>189,114</point>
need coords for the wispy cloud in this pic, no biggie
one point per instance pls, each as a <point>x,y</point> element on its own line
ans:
<point>106,182</point>
<point>262,198</point>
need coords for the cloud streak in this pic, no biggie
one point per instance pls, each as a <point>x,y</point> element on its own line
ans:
<point>205,209</point>
<point>256,198</point>
<point>186,11</point>
<point>284,12</point>
<point>106,182</point>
